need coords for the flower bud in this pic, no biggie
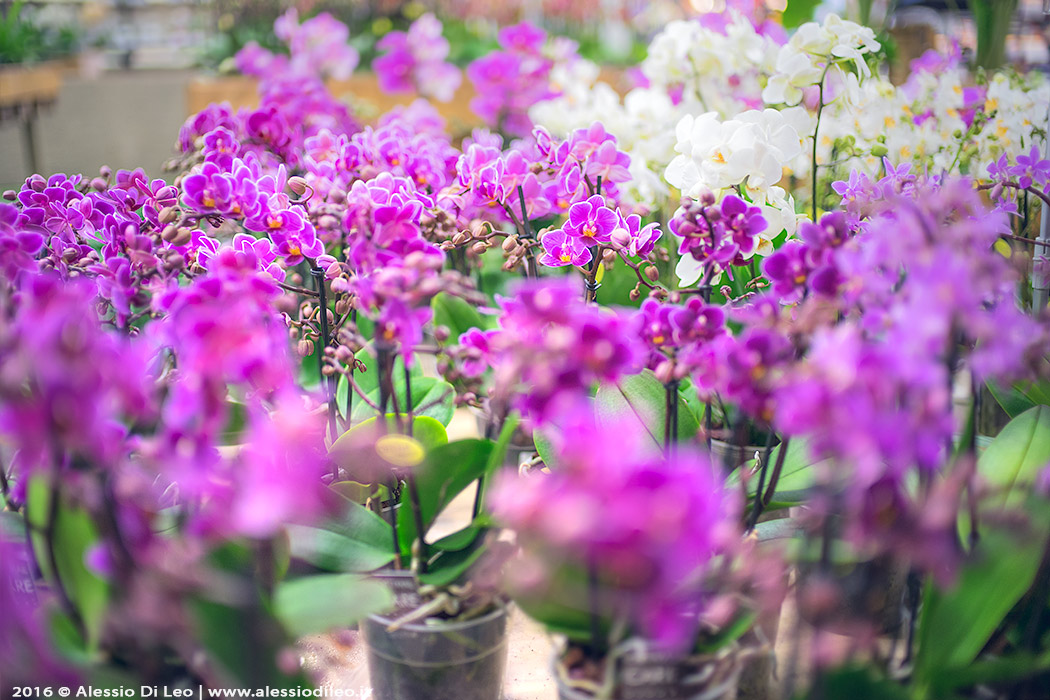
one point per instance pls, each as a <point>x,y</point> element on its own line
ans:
<point>10,195</point>
<point>609,257</point>
<point>665,371</point>
<point>621,238</point>
<point>479,247</point>
<point>635,295</point>
<point>105,171</point>
<point>169,232</point>
<point>305,348</point>
<point>336,195</point>
<point>98,184</point>
<point>182,236</point>
<point>652,273</point>
<point>340,285</point>
<point>167,215</point>
<point>342,306</point>
<point>298,185</point>
<point>509,243</point>
<point>460,238</point>
<point>996,192</point>
<point>441,334</point>
<point>879,150</point>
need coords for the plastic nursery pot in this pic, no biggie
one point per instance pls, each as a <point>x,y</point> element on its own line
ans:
<point>644,674</point>
<point>437,660</point>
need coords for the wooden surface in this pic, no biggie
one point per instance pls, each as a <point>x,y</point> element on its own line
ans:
<point>29,85</point>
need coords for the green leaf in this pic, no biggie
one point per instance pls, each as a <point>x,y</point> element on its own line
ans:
<point>1022,396</point>
<point>861,683</point>
<point>456,314</point>
<point>368,380</point>
<point>798,12</point>
<point>74,534</point>
<point>1015,457</point>
<point>426,430</point>
<point>449,566</point>
<point>460,539</point>
<point>355,540</point>
<point>736,629</point>
<point>446,471</point>
<point>640,400</point>
<point>955,625</point>
<point>545,448</point>
<point>1012,668</point>
<point>797,474</point>
<point>437,395</point>
<point>319,603</point>
<point>239,656</point>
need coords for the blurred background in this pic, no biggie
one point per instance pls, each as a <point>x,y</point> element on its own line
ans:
<point>85,83</point>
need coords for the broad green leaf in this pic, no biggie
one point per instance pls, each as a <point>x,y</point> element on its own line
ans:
<point>456,314</point>
<point>797,473</point>
<point>798,12</point>
<point>1015,457</point>
<point>74,534</point>
<point>319,603</point>
<point>426,430</point>
<point>449,566</point>
<point>640,401</point>
<point>446,471</point>
<point>1022,396</point>
<point>436,396</point>
<point>995,670</point>
<point>237,657</point>
<point>955,625</point>
<point>368,379</point>
<point>460,539</point>
<point>356,539</point>
<point>861,683</point>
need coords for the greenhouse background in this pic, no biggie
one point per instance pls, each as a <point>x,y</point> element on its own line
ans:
<point>607,350</point>
<point>153,54</point>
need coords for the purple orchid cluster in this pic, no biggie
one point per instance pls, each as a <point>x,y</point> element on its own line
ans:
<point>414,61</point>
<point>550,348</point>
<point>719,235</point>
<point>646,528</point>
<point>511,80</point>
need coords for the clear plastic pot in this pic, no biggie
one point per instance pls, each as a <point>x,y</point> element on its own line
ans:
<point>645,675</point>
<point>437,661</point>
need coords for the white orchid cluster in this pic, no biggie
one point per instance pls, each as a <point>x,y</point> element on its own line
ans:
<point>699,124</point>
<point>939,121</point>
<point>834,48</point>
<point>711,68</point>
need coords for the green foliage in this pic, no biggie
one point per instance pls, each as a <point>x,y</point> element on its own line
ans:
<point>354,539</point>
<point>316,604</point>
<point>73,535</point>
<point>431,396</point>
<point>456,314</point>
<point>1021,396</point>
<point>443,475</point>
<point>23,41</point>
<point>799,12</point>
<point>1015,457</point>
<point>956,624</point>
<point>640,401</point>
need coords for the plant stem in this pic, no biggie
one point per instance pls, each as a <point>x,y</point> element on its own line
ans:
<point>816,132</point>
<point>775,477</point>
<point>670,414</point>
<point>530,257</point>
<point>328,382</point>
<point>756,507</point>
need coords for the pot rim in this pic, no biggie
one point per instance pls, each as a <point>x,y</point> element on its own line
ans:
<point>500,609</point>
